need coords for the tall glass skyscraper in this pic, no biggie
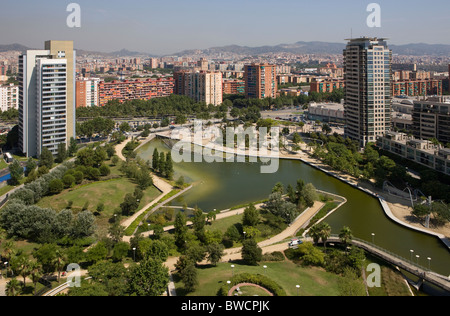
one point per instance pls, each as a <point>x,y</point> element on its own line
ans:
<point>368,89</point>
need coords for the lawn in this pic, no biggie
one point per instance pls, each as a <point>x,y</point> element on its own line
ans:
<point>111,193</point>
<point>312,281</point>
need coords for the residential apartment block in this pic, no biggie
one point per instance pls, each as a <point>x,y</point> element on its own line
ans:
<point>420,151</point>
<point>46,97</point>
<point>431,119</point>
<point>87,92</point>
<point>233,86</point>
<point>260,81</point>
<point>134,90</point>
<point>201,86</point>
<point>367,74</point>
<point>326,85</point>
<point>9,97</point>
<point>419,87</point>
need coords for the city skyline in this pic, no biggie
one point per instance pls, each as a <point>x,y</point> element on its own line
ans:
<point>167,27</point>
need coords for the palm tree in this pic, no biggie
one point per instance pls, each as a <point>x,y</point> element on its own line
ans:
<point>325,233</point>
<point>35,274</point>
<point>60,261</point>
<point>314,232</point>
<point>13,288</point>
<point>23,268</point>
<point>8,250</point>
<point>346,235</point>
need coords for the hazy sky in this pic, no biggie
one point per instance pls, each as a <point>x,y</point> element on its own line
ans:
<point>170,26</point>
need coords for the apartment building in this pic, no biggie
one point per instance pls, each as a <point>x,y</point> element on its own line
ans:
<point>134,90</point>
<point>46,97</point>
<point>367,74</point>
<point>87,92</point>
<point>260,81</point>
<point>326,85</point>
<point>9,97</point>
<point>201,86</point>
<point>233,86</point>
<point>420,87</point>
<point>420,151</point>
<point>431,119</point>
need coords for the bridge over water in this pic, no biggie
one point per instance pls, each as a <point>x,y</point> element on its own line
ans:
<point>423,273</point>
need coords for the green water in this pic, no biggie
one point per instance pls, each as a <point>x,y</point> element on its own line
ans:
<point>224,185</point>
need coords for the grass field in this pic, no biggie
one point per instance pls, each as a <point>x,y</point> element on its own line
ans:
<point>312,281</point>
<point>111,193</point>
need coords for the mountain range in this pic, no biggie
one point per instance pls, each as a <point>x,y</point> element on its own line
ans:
<point>419,49</point>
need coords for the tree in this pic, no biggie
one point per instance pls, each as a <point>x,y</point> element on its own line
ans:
<point>46,158</point>
<point>199,224</point>
<point>180,229</point>
<point>150,278</point>
<point>55,186</point>
<point>30,166</point>
<point>35,274</point>
<point>189,276</point>
<point>314,232</point>
<point>325,233</point>
<point>251,252</point>
<point>129,205</point>
<point>13,288</point>
<point>62,153</point>
<point>155,160</point>
<point>68,180</point>
<point>180,182</point>
<point>120,251</point>
<point>60,261</point>
<point>104,170</point>
<point>97,253</point>
<point>73,147</point>
<point>46,255</point>
<point>296,138</point>
<point>345,235</point>
<point>16,172</point>
<point>84,225</point>
<point>169,166</point>
<point>125,127</point>
<point>251,216</point>
<point>309,194</point>
<point>215,253</point>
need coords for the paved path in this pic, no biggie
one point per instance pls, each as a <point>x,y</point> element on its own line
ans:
<point>269,245</point>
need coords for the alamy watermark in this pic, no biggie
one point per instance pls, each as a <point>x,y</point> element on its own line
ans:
<point>374,18</point>
<point>74,18</point>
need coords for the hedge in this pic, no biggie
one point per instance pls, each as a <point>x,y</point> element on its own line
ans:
<point>257,279</point>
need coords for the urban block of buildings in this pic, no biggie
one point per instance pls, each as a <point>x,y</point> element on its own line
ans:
<point>421,151</point>
<point>260,81</point>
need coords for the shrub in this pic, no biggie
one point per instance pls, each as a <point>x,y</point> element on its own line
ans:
<point>55,186</point>
<point>257,279</point>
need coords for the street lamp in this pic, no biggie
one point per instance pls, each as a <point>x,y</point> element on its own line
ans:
<point>229,282</point>
<point>265,270</point>
<point>134,254</point>
<point>373,238</point>
<point>429,263</point>
<point>411,251</point>
<point>6,269</point>
<point>417,258</point>
<point>232,270</point>
<point>244,235</point>
<point>298,288</point>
